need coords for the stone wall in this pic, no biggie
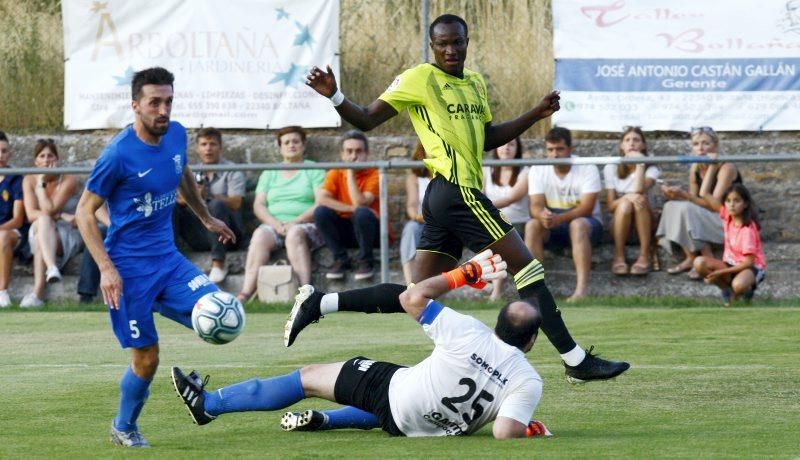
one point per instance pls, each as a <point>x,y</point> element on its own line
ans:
<point>774,185</point>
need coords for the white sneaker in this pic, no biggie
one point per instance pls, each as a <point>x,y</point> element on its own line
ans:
<point>30,300</point>
<point>5,300</point>
<point>53,275</point>
<point>217,275</point>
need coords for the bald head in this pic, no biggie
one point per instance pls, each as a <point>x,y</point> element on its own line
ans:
<point>517,323</point>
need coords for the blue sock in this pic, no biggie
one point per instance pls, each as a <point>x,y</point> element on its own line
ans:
<point>350,417</point>
<point>256,395</point>
<point>133,394</point>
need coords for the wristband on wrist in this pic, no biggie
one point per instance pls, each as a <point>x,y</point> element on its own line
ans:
<point>337,98</point>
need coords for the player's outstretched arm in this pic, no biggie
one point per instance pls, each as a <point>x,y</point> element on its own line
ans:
<point>476,272</point>
<point>497,135</point>
<point>508,428</point>
<point>85,216</point>
<point>363,118</point>
<point>188,191</point>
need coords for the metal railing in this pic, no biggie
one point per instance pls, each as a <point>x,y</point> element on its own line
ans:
<point>383,166</point>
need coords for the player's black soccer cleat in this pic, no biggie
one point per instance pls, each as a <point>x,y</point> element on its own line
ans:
<point>594,367</point>
<point>304,312</point>
<point>190,390</point>
<point>309,420</point>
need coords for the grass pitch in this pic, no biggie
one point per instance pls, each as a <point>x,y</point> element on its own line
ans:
<point>705,382</point>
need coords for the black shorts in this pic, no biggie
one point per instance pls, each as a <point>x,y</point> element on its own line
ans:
<point>457,216</point>
<point>364,384</point>
<point>758,273</point>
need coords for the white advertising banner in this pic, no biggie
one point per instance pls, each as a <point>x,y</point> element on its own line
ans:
<point>674,64</point>
<point>237,63</point>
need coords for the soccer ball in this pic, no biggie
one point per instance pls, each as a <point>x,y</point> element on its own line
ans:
<point>218,317</point>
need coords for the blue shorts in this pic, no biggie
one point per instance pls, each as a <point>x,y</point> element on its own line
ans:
<point>559,236</point>
<point>172,291</point>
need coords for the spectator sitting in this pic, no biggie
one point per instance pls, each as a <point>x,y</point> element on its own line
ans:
<point>12,218</point>
<point>564,207</point>
<point>743,265</point>
<point>50,203</point>
<point>627,197</point>
<point>348,208</point>
<point>417,181</point>
<point>223,192</point>
<point>507,187</point>
<point>284,204</point>
<point>89,279</point>
<point>687,218</point>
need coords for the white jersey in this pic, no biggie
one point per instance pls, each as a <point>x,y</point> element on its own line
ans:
<point>471,378</point>
<point>565,193</point>
<point>517,212</point>
<point>623,186</point>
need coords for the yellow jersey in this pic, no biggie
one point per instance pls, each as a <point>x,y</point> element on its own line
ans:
<point>449,115</point>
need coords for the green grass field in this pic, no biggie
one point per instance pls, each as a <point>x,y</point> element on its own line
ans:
<point>705,382</point>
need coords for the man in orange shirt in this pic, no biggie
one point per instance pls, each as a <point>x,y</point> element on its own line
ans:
<point>348,209</point>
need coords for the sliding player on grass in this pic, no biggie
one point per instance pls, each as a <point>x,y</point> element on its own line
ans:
<point>473,376</point>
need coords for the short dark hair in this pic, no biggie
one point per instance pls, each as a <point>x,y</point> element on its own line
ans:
<point>354,134</point>
<point>151,76</point>
<point>516,327</point>
<point>448,19</point>
<point>288,130</point>
<point>209,132</point>
<point>3,137</point>
<point>559,134</point>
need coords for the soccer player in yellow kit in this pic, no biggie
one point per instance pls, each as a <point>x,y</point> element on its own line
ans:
<point>448,106</point>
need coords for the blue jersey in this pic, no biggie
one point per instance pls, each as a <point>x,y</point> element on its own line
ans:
<point>139,182</point>
<point>10,191</point>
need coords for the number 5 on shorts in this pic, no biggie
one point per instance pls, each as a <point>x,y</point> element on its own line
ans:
<point>134,329</point>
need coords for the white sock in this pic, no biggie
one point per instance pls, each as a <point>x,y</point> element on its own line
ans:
<point>329,304</point>
<point>574,356</point>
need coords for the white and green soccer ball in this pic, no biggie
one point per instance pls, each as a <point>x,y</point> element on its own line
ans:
<point>218,317</point>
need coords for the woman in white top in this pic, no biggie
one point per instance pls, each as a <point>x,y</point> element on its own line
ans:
<point>507,187</point>
<point>417,181</point>
<point>627,197</point>
<point>50,203</point>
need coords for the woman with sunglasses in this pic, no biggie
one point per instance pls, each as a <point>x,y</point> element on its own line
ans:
<point>50,203</point>
<point>627,197</point>
<point>688,219</point>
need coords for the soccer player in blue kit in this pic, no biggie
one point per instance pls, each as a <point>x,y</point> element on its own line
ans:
<point>141,271</point>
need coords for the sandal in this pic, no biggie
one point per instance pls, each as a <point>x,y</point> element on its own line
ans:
<point>619,268</point>
<point>640,269</point>
<point>694,276</point>
<point>680,268</point>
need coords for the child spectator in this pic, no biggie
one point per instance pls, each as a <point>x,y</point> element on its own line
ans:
<point>417,181</point>
<point>50,203</point>
<point>12,217</point>
<point>743,266</point>
<point>507,187</point>
<point>627,187</point>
